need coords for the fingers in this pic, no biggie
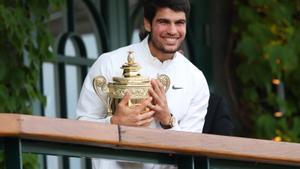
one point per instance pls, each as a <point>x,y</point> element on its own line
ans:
<point>147,122</point>
<point>154,95</point>
<point>146,115</point>
<point>157,92</point>
<point>154,107</point>
<point>155,85</point>
<point>132,119</point>
<point>143,105</point>
<point>145,118</point>
<point>125,99</point>
<point>161,86</point>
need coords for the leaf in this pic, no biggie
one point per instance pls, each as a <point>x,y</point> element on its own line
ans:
<point>266,126</point>
<point>295,128</point>
<point>266,48</point>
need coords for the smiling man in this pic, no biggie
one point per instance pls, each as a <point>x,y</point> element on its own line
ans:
<point>183,107</point>
<point>168,29</point>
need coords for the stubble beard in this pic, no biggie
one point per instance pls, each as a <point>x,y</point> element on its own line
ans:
<point>158,46</point>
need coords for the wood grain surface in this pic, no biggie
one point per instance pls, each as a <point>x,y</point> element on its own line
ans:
<point>211,145</point>
<point>58,130</point>
<point>146,139</point>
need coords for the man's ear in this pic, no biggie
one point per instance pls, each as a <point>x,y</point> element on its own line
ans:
<point>147,25</point>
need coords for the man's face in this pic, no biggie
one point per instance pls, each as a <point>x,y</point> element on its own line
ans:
<point>168,29</point>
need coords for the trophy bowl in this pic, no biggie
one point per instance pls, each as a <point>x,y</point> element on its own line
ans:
<point>113,92</point>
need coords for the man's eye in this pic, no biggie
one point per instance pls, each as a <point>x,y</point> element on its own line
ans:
<point>180,23</point>
<point>163,22</point>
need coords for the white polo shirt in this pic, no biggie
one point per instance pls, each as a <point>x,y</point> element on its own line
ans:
<point>187,96</point>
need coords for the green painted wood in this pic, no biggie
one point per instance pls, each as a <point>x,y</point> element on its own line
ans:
<point>199,37</point>
<point>14,147</point>
<point>136,18</point>
<point>13,153</point>
<point>1,144</point>
<point>76,61</point>
<point>74,150</point>
<point>185,162</point>
<point>88,164</point>
<point>102,37</point>
<point>201,162</point>
<point>116,15</point>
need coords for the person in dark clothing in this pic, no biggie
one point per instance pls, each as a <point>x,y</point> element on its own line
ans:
<point>218,119</point>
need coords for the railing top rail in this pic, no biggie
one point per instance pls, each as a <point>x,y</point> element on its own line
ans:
<point>95,134</point>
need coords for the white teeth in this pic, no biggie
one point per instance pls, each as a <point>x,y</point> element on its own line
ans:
<point>170,40</point>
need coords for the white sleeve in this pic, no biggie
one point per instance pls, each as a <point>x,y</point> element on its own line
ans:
<point>193,119</point>
<point>90,107</point>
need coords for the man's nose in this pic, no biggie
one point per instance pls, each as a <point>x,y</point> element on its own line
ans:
<point>172,29</point>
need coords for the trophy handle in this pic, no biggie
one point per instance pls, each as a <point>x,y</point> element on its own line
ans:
<point>164,80</point>
<point>100,87</point>
<point>109,108</point>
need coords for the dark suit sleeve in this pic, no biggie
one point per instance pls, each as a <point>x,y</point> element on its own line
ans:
<point>218,119</point>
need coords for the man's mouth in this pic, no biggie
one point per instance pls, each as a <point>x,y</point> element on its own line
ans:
<point>171,40</point>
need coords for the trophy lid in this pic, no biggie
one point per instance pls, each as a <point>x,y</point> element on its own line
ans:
<point>131,75</point>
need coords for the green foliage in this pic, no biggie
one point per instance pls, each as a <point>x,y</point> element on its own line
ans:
<point>24,45</point>
<point>267,48</point>
<point>30,161</point>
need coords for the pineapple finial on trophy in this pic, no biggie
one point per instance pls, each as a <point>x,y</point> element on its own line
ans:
<point>130,58</point>
<point>131,68</point>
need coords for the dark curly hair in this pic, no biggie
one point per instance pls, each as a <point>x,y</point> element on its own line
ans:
<point>151,6</point>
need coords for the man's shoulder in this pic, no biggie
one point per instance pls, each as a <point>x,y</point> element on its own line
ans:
<point>185,62</point>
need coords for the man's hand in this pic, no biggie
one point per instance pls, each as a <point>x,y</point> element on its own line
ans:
<point>160,104</point>
<point>136,115</point>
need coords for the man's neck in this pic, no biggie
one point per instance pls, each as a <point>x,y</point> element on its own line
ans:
<point>161,56</point>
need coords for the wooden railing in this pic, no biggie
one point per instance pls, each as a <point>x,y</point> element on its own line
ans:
<point>23,133</point>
